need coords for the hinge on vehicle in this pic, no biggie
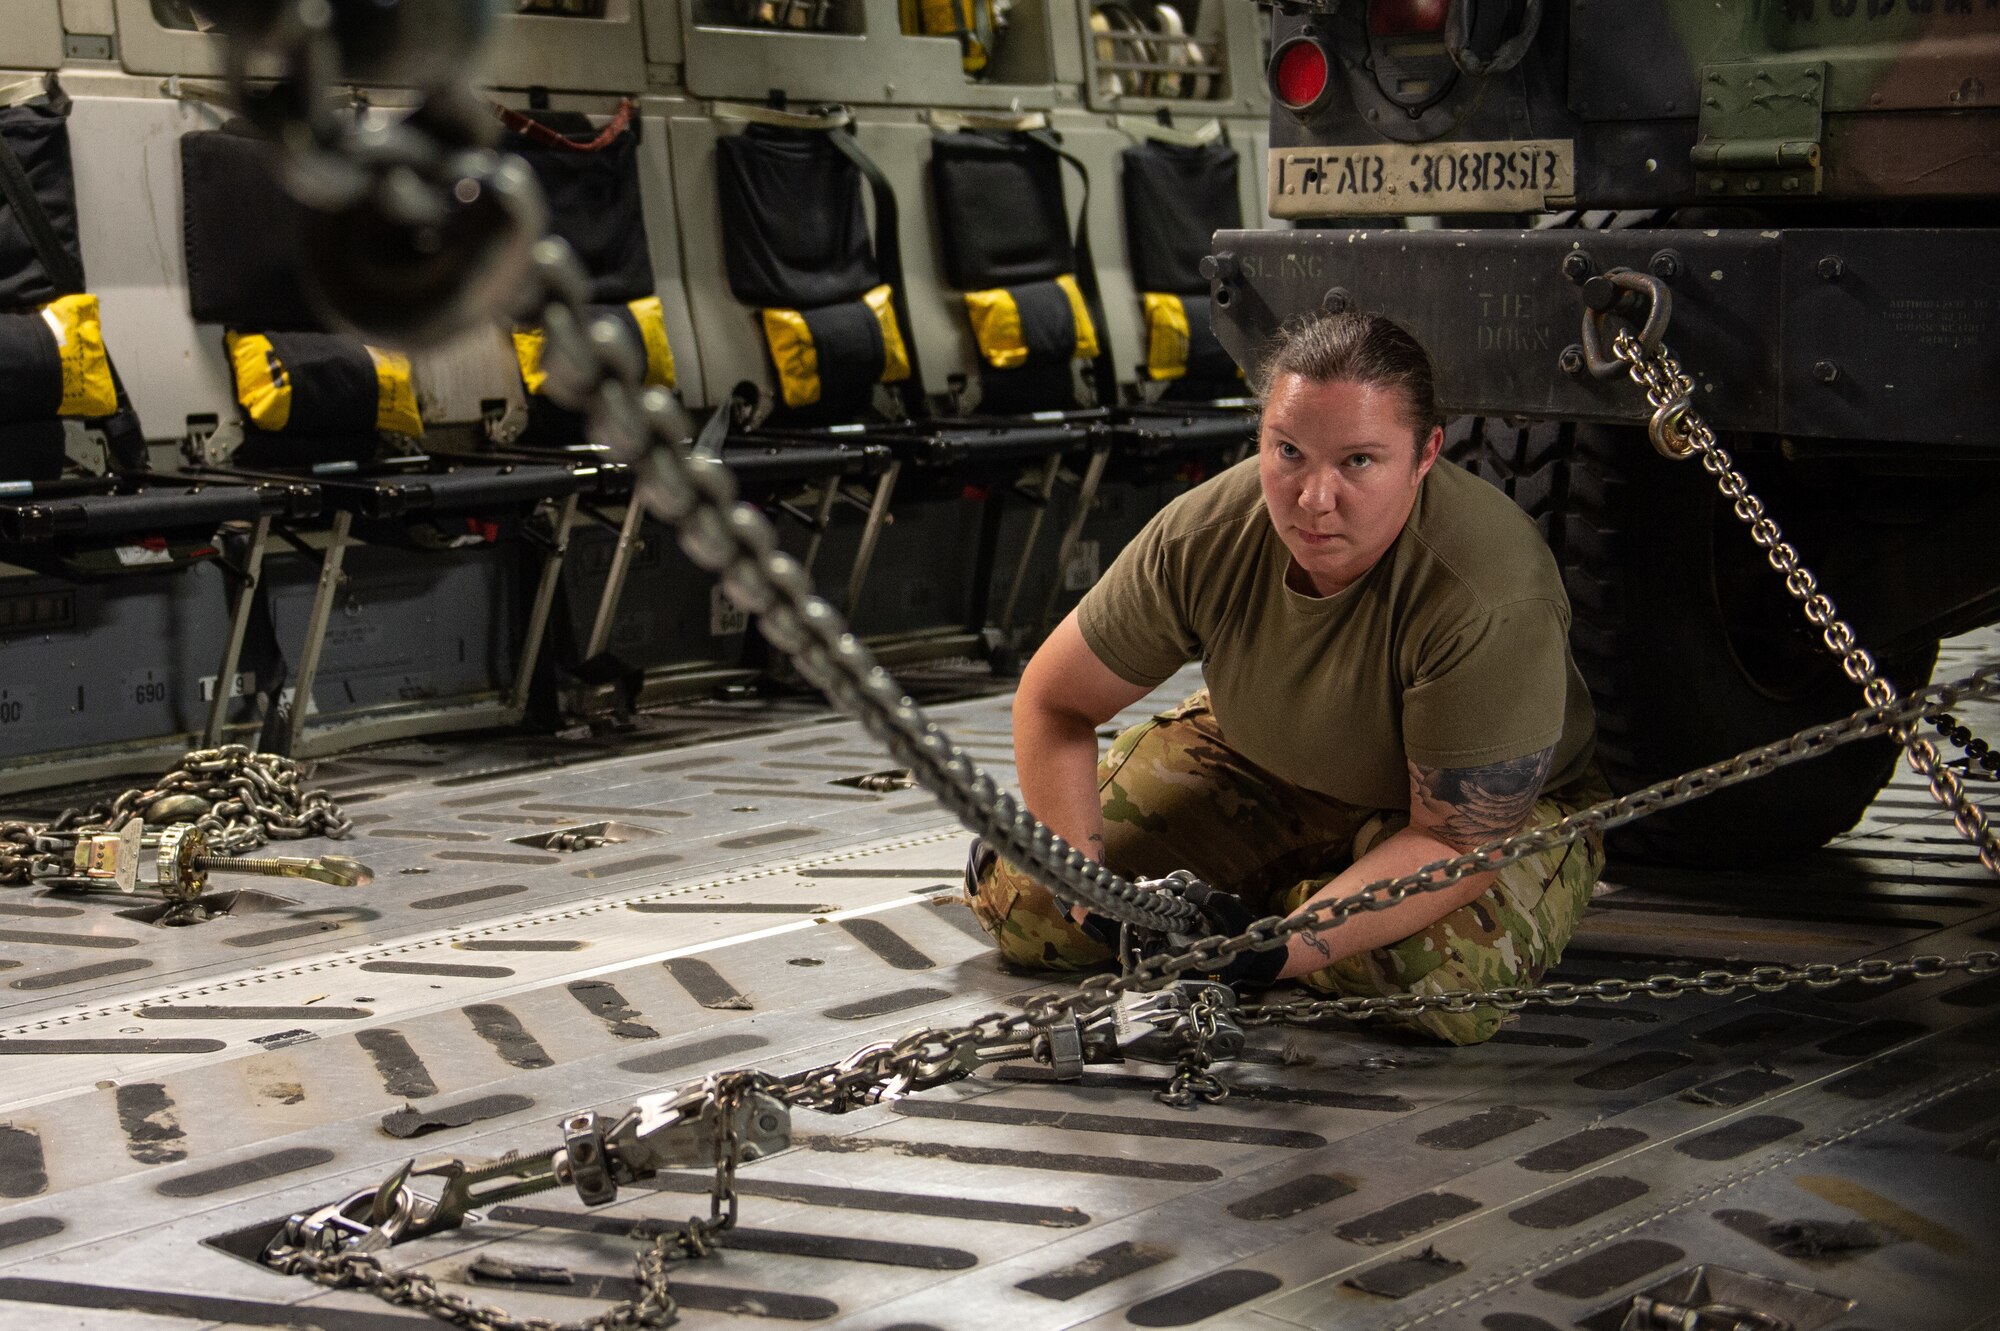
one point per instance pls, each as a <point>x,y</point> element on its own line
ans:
<point>1760,128</point>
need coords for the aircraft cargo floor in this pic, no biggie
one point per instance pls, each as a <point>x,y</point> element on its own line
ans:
<point>175,1092</point>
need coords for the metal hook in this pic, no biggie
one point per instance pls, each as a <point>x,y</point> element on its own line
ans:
<point>1668,430</point>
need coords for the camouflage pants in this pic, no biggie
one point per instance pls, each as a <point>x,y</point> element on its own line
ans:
<point>1176,796</point>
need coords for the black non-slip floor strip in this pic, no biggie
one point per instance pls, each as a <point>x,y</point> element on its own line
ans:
<point>311,1316</point>
<point>1295,1095</point>
<point>1098,1269</point>
<point>873,1199</point>
<point>923,1256</point>
<point>1178,1129</point>
<point>1110,1166</point>
<point>689,1294</point>
<point>110,1046</point>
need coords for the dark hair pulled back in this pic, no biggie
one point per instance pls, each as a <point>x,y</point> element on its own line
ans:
<point>1361,348</point>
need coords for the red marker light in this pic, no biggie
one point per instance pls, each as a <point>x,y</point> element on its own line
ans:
<point>1299,74</point>
<point>1404,18</point>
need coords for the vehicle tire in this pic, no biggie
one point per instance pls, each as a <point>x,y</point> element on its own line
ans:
<point>1691,646</point>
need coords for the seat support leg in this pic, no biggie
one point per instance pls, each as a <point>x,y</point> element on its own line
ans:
<point>622,556</point>
<point>864,553</point>
<point>1044,493</point>
<point>822,518</point>
<point>322,613</point>
<point>538,609</point>
<point>1086,495</point>
<point>239,625</point>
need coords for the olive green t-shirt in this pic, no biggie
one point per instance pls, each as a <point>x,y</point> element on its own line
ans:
<point>1452,651</point>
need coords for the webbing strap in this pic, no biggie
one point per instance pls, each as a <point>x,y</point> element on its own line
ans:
<point>714,433</point>
<point>1145,127</point>
<point>1102,375</point>
<point>23,90</point>
<point>825,117</point>
<point>1006,122</point>
<point>889,262</point>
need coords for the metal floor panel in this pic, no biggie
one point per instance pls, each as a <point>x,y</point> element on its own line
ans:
<point>180,1086</point>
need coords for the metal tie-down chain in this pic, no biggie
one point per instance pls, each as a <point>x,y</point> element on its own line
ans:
<point>1193,1083</point>
<point>592,365</point>
<point>237,798</point>
<point>343,1251</point>
<point>1678,431</point>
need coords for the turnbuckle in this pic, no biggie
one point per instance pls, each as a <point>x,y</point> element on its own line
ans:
<point>396,1211</point>
<point>697,1126</point>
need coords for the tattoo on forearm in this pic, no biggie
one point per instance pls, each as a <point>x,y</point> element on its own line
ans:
<point>1475,805</point>
<point>1316,943</point>
<point>1096,840</point>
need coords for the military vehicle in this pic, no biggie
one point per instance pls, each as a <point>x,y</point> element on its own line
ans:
<point>1814,186</point>
<point>517,904</point>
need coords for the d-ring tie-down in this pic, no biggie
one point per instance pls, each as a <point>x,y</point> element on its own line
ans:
<point>1619,291</point>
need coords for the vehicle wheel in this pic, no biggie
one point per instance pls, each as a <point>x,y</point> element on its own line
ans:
<point>1692,648</point>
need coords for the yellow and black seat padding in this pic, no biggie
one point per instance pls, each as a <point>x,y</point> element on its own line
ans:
<point>644,318</point>
<point>322,385</point>
<point>1033,323</point>
<point>1176,196</point>
<point>839,351</point>
<point>52,363</point>
<point>1180,339</point>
